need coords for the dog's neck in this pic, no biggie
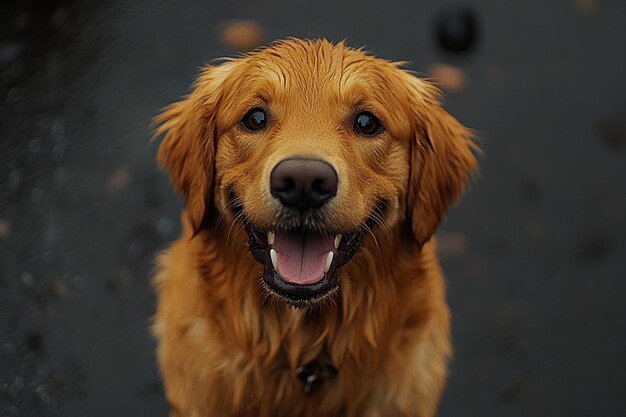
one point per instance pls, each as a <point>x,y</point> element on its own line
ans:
<point>381,295</point>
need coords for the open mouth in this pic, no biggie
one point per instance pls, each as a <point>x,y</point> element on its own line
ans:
<point>301,265</point>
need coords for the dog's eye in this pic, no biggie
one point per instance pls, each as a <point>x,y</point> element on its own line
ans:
<point>367,124</point>
<point>255,119</point>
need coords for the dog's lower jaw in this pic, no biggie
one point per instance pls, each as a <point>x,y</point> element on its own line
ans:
<point>327,290</point>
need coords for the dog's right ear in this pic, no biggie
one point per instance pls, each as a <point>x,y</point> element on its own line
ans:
<point>187,151</point>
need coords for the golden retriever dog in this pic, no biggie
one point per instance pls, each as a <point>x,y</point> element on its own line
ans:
<point>305,281</point>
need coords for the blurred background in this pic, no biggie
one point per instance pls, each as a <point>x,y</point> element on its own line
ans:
<point>535,254</point>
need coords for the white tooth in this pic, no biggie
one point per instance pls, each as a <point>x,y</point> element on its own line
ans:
<point>274,258</point>
<point>337,241</point>
<point>270,237</point>
<point>329,260</point>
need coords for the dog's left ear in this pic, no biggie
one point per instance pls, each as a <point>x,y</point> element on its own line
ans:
<point>442,160</point>
<point>188,147</point>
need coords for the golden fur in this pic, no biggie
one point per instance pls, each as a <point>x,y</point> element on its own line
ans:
<point>225,346</point>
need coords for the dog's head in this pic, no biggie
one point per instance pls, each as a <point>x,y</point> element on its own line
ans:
<point>309,145</point>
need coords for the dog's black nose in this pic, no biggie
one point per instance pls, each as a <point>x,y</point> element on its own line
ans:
<point>303,183</point>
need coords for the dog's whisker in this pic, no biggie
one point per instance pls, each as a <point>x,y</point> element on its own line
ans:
<point>329,304</point>
<point>380,221</point>
<point>236,221</point>
<point>239,228</point>
<point>232,203</point>
<point>378,251</point>
<point>265,293</point>
<point>265,297</point>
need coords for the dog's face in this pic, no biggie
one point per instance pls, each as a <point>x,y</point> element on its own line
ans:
<point>311,145</point>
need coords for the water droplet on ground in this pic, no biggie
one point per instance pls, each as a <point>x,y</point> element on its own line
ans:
<point>9,52</point>
<point>79,282</point>
<point>164,226</point>
<point>28,279</point>
<point>34,146</point>
<point>36,194</point>
<point>15,178</point>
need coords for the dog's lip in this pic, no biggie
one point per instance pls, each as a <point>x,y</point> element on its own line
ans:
<point>301,294</point>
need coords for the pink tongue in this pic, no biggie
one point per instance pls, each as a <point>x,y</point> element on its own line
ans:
<point>302,256</point>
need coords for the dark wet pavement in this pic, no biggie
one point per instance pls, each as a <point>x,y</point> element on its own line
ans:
<point>535,254</point>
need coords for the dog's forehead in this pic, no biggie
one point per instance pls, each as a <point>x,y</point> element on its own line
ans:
<point>319,69</point>
<point>315,60</point>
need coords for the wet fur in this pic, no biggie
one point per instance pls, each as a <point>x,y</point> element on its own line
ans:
<point>227,347</point>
